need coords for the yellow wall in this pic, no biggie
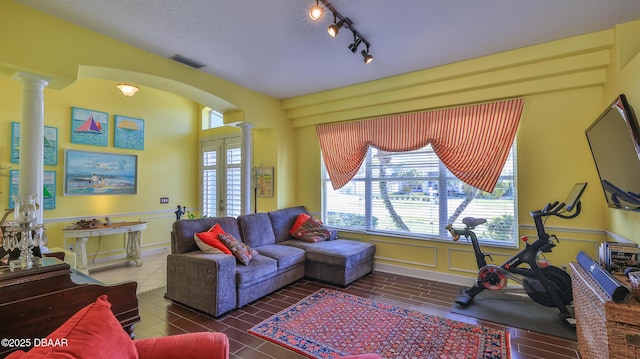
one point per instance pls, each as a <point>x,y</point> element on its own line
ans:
<point>565,83</point>
<point>84,68</point>
<point>562,84</point>
<point>170,146</point>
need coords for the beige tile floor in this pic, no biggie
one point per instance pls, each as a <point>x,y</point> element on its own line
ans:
<point>151,275</point>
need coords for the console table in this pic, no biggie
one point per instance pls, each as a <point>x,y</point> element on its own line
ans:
<point>133,237</point>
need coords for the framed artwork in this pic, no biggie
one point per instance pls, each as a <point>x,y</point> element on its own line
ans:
<point>97,173</point>
<point>50,144</point>
<point>89,127</point>
<point>264,182</point>
<point>128,132</point>
<point>48,190</point>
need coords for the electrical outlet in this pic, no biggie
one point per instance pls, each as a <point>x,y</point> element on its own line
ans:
<point>164,200</point>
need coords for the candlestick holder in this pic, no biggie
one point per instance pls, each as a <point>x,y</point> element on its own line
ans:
<point>24,234</point>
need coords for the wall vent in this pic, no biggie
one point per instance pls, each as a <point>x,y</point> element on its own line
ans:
<point>187,61</point>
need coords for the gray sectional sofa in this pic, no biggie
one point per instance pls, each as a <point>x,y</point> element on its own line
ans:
<point>217,283</point>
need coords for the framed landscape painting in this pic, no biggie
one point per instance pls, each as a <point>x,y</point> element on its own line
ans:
<point>50,144</point>
<point>128,132</point>
<point>89,127</point>
<point>97,173</point>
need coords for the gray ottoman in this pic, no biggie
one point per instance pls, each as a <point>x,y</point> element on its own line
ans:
<point>340,261</point>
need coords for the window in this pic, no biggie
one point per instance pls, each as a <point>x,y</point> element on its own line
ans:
<point>221,192</point>
<point>412,194</point>
<point>211,118</point>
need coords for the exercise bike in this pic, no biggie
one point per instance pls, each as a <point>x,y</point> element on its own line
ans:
<point>545,284</point>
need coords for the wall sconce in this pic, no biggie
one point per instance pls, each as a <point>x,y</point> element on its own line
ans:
<point>127,89</point>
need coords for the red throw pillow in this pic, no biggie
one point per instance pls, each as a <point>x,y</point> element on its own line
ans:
<point>216,229</point>
<point>302,217</point>
<point>211,239</point>
<point>93,332</point>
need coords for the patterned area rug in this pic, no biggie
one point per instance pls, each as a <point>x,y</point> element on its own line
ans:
<point>330,324</point>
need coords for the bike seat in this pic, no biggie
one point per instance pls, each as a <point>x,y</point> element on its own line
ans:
<point>472,222</point>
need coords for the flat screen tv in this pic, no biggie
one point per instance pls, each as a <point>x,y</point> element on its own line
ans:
<point>614,139</point>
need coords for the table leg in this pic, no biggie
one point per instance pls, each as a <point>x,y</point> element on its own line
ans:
<point>81,253</point>
<point>134,247</point>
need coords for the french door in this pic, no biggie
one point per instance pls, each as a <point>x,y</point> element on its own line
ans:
<point>221,192</point>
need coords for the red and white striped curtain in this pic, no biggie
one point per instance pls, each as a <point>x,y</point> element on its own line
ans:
<point>473,142</point>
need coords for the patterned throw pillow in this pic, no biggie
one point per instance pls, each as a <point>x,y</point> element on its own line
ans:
<point>209,242</point>
<point>314,231</point>
<point>241,251</point>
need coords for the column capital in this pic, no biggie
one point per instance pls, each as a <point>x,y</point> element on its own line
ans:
<point>245,125</point>
<point>30,78</point>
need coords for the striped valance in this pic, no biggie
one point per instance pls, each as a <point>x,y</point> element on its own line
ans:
<point>473,141</point>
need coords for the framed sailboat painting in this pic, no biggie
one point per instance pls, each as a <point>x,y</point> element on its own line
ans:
<point>89,127</point>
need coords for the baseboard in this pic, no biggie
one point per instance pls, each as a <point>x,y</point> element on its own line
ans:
<point>424,274</point>
<point>145,253</point>
<point>437,276</point>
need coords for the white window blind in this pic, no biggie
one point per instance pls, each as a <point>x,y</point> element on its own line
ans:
<point>413,194</point>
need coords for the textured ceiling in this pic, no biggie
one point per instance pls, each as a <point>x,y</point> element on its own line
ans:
<point>272,47</point>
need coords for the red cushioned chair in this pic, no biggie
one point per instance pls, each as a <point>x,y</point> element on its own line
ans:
<point>94,332</point>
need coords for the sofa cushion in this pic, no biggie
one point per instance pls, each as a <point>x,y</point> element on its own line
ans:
<point>184,229</point>
<point>341,252</point>
<point>256,229</point>
<point>286,256</point>
<point>260,268</point>
<point>241,251</point>
<point>282,220</point>
<point>93,332</point>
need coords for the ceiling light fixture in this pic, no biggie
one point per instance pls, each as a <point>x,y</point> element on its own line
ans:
<point>315,12</point>
<point>339,21</point>
<point>127,89</point>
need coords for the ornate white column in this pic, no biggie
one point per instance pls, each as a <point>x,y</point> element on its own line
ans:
<point>245,172</point>
<point>32,136</point>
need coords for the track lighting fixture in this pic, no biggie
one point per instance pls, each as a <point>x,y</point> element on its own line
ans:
<point>339,21</point>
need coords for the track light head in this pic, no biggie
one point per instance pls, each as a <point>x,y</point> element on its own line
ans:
<point>335,27</point>
<point>354,45</point>
<point>316,11</point>
<point>367,56</point>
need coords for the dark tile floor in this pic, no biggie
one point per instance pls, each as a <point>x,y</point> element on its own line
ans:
<point>161,317</point>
